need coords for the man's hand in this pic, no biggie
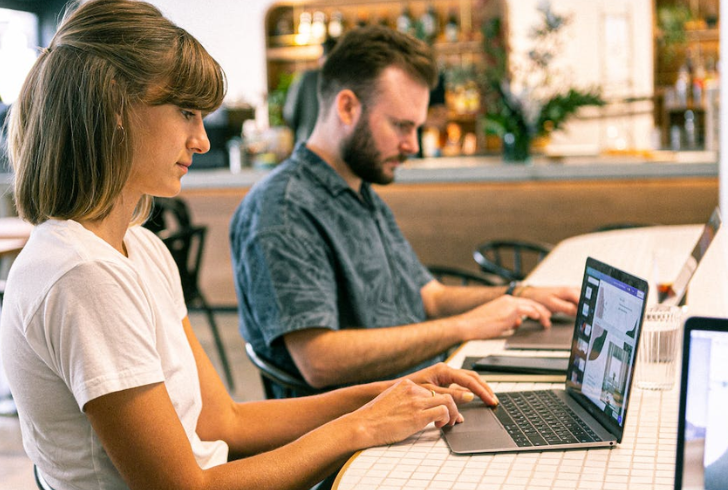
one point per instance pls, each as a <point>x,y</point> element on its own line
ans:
<point>557,300</point>
<point>501,315</point>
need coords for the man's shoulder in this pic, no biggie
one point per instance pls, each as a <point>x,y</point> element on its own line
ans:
<point>288,177</point>
<point>280,199</point>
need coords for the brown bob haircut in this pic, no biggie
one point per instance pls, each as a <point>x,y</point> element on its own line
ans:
<point>362,54</point>
<point>71,130</point>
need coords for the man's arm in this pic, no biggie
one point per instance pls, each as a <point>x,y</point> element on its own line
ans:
<point>441,300</point>
<point>327,358</point>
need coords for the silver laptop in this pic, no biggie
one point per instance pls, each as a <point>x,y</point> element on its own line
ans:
<point>532,336</point>
<point>674,294</point>
<point>591,411</point>
<point>702,436</point>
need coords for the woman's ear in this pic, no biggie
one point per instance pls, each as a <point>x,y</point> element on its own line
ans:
<point>348,107</point>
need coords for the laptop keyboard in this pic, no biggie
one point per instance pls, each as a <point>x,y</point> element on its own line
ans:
<point>540,418</point>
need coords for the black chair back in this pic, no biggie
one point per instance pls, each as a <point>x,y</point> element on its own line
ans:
<point>510,260</point>
<point>278,383</point>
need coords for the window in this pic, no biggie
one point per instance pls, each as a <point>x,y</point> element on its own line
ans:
<point>18,42</point>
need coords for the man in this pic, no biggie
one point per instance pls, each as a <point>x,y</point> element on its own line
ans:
<point>327,285</point>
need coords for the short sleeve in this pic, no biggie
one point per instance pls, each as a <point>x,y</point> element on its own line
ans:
<point>291,282</point>
<point>100,331</point>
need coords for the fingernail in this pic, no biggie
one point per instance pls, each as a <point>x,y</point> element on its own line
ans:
<point>468,397</point>
<point>461,419</point>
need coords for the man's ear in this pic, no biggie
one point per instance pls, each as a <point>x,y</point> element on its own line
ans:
<point>348,107</point>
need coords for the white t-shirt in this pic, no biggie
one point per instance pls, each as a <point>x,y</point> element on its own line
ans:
<point>79,321</point>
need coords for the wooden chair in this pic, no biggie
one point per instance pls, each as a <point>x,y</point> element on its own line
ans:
<point>510,260</point>
<point>171,221</point>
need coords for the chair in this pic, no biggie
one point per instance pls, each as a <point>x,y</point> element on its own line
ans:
<point>456,276</point>
<point>39,481</point>
<point>271,375</point>
<point>171,221</point>
<point>510,260</point>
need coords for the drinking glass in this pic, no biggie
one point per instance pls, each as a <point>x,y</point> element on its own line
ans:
<point>658,351</point>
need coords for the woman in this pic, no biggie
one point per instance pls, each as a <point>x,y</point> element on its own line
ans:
<point>112,388</point>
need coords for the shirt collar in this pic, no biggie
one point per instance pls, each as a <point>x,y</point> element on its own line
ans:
<point>325,173</point>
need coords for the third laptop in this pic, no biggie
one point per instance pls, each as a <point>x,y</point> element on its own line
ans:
<point>532,336</point>
<point>591,409</point>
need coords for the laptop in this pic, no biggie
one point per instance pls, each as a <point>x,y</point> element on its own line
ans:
<point>532,336</point>
<point>598,380</point>
<point>702,434</point>
<point>674,294</point>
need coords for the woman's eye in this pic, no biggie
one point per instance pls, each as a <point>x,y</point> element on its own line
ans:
<point>188,114</point>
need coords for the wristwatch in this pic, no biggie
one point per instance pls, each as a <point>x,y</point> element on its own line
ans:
<point>512,287</point>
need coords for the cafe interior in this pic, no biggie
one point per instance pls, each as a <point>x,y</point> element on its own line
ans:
<point>617,153</point>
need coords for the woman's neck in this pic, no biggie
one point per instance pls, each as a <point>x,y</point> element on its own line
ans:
<point>113,227</point>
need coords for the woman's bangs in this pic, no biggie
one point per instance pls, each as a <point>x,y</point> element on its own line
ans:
<point>197,80</point>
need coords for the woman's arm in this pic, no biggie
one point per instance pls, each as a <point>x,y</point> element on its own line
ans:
<point>142,433</point>
<point>254,427</point>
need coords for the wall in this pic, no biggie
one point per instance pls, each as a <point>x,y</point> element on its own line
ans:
<point>232,31</point>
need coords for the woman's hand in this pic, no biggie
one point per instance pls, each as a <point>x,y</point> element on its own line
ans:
<point>400,411</point>
<point>413,402</point>
<point>461,384</point>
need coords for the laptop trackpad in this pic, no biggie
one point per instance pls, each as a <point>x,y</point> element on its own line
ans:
<point>480,425</point>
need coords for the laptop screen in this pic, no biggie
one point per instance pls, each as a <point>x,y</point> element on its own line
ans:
<point>604,346</point>
<point>702,452</point>
<point>673,294</point>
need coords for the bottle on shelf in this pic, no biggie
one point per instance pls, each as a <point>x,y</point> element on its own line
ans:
<point>336,25</point>
<point>405,22</point>
<point>304,28</point>
<point>690,131</point>
<point>452,29</point>
<point>698,82</point>
<point>428,25</point>
<point>681,86</point>
<point>318,27</point>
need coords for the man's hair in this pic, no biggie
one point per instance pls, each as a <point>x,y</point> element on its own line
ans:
<point>71,131</point>
<point>362,54</point>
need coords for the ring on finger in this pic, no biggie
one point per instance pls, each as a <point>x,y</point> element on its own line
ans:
<point>433,393</point>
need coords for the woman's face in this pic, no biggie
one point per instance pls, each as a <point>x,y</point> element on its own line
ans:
<point>165,138</point>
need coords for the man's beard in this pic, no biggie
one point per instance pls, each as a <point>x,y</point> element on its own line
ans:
<point>360,153</point>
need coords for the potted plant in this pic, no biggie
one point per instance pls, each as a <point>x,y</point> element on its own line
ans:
<point>531,106</point>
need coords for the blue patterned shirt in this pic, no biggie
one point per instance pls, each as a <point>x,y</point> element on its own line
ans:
<point>308,251</point>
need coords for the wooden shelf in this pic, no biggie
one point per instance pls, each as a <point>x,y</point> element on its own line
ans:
<point>703,35</point>
<point>294,53</point>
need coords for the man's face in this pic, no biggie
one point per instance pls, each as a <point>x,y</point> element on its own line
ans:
<point>386,132</point>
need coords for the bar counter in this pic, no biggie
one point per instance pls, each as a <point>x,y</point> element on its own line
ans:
<point>493,169</point>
